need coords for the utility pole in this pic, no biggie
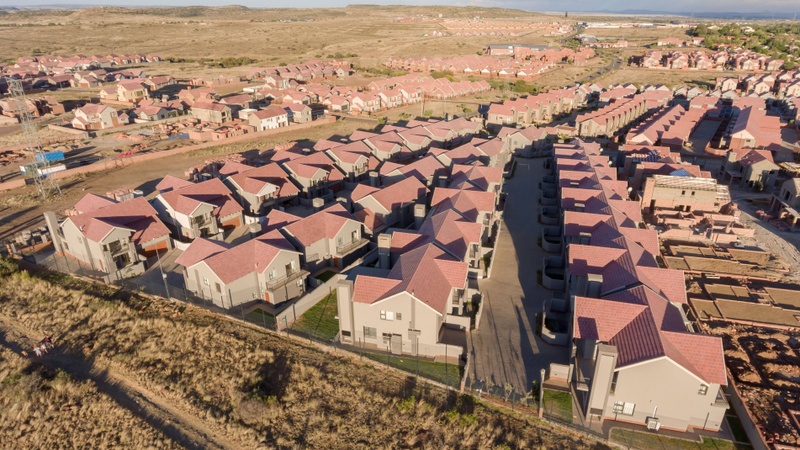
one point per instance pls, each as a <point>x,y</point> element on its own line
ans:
<point>45,183</point>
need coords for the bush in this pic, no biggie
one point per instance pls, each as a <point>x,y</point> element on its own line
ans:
<point>7,267</point>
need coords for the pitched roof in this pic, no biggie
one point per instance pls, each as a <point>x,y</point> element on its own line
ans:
<point>469,203</point>
<point>135,215</point>
<point>324,224</point>
<point>427,273</point>
<point>186,199</point>
<point>233,263</point>
<point>254,180</point>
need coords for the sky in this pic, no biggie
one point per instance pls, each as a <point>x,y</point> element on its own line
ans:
<point>744,6</point>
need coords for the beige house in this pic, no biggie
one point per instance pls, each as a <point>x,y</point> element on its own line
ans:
<point>259,189</point>
<point>684,193</point>
<point>131,91</point>
<point>192,210</point>
<point>114,238</point>
<point>91,117</point>
<point>264,269</point>
<point>748,167</point>
<point>212,112</point>
<point>331,237</point>
<point>416,308</point>
<point>298,112</point>
<point>393,205</point>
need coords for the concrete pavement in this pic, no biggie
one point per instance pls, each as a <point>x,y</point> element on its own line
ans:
<point>505,350</point>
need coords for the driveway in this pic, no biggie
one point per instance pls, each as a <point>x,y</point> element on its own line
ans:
<point>505,350</point>
<point>152,282</point>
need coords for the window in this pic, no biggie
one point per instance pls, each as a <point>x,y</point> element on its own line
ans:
<point>218,287</point>
<point>692,193</point>
<point>272,274</point>
<point>299,282</point>
<point>398,316</point>
<point>683,192</point>
<point>383,315</point>
<point>628,408</point>
<point>387,315</point>
<point>618,407</point>
<point>340,241</point>
<point>370,332</point>
<point>386,337</point>
<point>345,333</point>
<point>703,389</point>
<point>205,281</point>
<point>614,382</point>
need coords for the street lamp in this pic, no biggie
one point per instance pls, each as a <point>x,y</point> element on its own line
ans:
<point>541,393</point>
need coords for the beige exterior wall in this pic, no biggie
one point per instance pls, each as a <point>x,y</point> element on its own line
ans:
<point>266,285</point>
<point>670,388</point>
<point>675,198</point>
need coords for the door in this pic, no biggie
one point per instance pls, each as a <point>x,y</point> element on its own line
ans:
<point>288,269</point>
<point>397,344</point>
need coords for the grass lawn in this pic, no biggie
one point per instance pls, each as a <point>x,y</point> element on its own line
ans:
<point>325,276</point>
<point>736,427</point>
<point>558,404</point>
<point>648,440</point>
<point>260,317</point>
<point>441,372</point>
<point>320,320</point>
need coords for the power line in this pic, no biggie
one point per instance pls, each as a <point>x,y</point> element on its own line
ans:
<point>40,164</point>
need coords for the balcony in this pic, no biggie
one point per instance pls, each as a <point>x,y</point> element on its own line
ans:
<point>117,248</point>
<point>721,401</point>
<point>284,280</point>
<point>551,239</point>
<point>344,249</point>
<point>549,215</point>
<point>549,197</point>
<point>553,273</point>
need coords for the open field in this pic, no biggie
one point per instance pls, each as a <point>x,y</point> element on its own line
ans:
<point>705,79</point>
<point>363,34</point>
<point>244,387</point>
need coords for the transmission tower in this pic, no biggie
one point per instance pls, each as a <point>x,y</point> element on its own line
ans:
<point>45,183</point>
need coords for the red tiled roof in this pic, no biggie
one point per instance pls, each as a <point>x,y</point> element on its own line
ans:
<point>324,224</point>
<point>427,273</point>
<point>469,203</point>
<point>185,200</point>
<point>135,215</point>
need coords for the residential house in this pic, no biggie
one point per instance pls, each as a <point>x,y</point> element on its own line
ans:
<point>315,173</point>
<point>212,112</point>
<point>477,206</point>
<point>260,188</point>
<point>750,167</point>
<point>114,238</point>
<point>192,210</point>
<point>354,159</point>
<point>269,118</point>
<point>391,206</point>
<point>91,117</point>
<point>264,269</point>
<point>330,237</point>
<point>415,309</point>
<point>298,112</point>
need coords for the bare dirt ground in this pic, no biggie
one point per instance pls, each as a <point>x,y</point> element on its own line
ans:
<point>784,244</point>
<point>22,209</point>
<point>763,364</point>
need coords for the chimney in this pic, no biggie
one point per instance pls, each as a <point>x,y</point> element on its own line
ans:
<point>52,226</point>
<point>374,180</point>
<point>384,250</point>
<point>594,281</point>
<point>419,215</point>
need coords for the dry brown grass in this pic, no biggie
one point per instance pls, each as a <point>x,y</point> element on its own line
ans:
<point>255,388</point>
<point>43,408</point>
<point>372,33</point>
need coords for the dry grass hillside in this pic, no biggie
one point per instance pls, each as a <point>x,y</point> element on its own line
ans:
<point>41,407</point>
<point>243,387</point>
<point>364,34</point>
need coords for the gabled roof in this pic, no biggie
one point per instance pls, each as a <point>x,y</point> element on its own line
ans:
<point>324,224</point>
<point>467,202</point>
<point>476,176</point>
<point>427,273</point>
<point>452,232</point>
<point>185,200</point>
<point>169,183</point>
<point>135,215</point>
<point>254,180</point>
<point>233,263</point>
<point>392,196</point>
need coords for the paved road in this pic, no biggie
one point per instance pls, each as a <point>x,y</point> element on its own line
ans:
<point>505,349</point>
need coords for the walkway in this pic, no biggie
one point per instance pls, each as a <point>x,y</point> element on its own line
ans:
<point>505,350</point>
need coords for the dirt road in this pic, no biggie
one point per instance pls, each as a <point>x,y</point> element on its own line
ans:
<point>179,426</point>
